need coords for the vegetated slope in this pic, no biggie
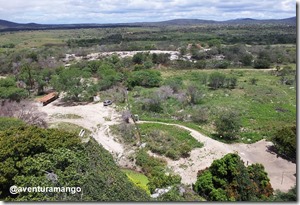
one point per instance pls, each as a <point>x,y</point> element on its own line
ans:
<point>28,153</point>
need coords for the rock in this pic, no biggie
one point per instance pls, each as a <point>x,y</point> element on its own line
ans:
<point>154,195</point>
<point>181,191</point>
<point>143,145</point>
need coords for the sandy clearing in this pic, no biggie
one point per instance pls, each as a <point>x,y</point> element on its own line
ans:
<point>95,117</point>
<point>174,55</point>
<point>280,171</point>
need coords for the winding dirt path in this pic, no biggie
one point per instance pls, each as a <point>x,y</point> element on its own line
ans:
<point>280,171</point>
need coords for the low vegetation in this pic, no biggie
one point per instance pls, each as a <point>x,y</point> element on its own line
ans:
<point>168,140</point>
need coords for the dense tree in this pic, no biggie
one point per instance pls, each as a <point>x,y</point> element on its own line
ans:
<point>138,58</point>
<point>161,58</point>
<point>227,179</point>
<point>247,59</point>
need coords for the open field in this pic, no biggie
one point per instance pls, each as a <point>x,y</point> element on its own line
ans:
<point>263,106</point>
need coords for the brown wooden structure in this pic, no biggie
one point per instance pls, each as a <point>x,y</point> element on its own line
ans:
<point>48,98</point>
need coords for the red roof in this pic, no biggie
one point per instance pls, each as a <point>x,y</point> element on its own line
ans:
<point>48,97</point>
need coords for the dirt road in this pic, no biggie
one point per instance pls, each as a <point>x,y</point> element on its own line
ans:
<point>280,171</point>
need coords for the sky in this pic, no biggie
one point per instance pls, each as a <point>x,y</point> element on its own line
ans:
<point>128,11</point>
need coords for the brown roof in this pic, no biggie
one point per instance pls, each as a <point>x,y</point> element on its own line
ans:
<point>48,97</point>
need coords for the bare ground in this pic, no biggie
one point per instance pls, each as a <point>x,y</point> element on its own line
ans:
<point>98,118</point>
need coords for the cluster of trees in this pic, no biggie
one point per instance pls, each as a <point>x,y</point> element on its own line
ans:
<point>29,153</point>
<point>145,78</point>
<point>227,179</point>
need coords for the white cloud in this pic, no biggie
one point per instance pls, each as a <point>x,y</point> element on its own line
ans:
<point>110,11</point>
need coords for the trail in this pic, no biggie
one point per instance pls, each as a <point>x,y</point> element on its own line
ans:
<point>280,171</point>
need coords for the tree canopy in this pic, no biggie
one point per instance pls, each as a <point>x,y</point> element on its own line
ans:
<point>228,179</point>
<point>28,153</point>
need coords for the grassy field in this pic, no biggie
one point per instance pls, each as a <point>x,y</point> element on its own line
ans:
<point>138,179</point>
<point>263,106</point>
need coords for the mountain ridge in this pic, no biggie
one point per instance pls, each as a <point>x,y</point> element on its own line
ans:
<point>13,26</point>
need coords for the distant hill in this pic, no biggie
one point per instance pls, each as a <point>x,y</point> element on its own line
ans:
<point>291,21</point>
<point>12,26</point>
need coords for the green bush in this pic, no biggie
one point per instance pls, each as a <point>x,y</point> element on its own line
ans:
<point>285,142</point>
<point>228,125</point>
<point>216,80</point>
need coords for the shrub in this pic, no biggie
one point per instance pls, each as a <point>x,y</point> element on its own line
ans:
<point>175,83</point>
<point>216,80</point>
<point>228,125</point>
<point>262,63</point>
<point>285,142</point>
<point>199,114</point>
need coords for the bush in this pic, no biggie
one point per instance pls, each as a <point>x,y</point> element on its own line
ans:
<point>216,80</point>
<point>285,142</point>
<point>175,83</point>
<point>262,63</point>
<point>228,125</point>
<point>199,114</point>
<point>230,82</point>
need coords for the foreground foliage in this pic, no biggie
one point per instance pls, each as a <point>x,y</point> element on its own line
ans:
<point>28,153</point>
<point>227,179</point>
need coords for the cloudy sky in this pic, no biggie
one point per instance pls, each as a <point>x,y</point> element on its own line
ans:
<point>122,11</point>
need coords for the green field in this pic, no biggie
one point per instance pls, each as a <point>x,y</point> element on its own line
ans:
<point>138,179</point>
<point>263,106</point>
